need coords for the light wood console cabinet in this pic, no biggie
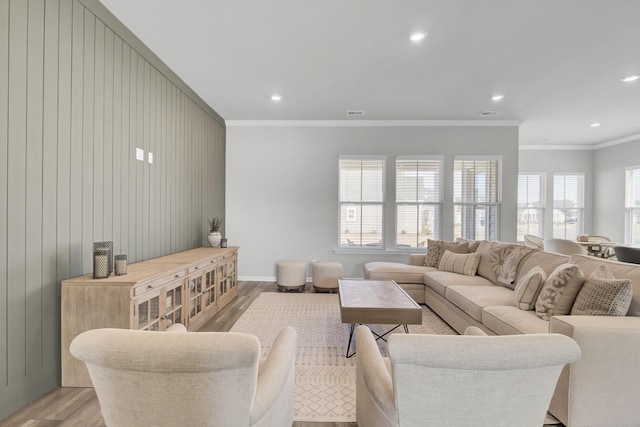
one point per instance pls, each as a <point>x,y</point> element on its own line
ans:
<point>187,287</point>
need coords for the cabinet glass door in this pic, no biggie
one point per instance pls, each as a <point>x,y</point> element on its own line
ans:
<point>173,305</point>
<point>147,312</point>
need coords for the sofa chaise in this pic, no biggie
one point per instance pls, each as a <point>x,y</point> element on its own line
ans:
<point>603,387</point>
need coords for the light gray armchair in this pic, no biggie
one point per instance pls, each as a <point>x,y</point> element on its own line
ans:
<point>566,247</point>
<point>184,378</point>
<point>459,381</point>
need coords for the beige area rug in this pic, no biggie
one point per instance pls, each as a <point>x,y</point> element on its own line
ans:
<point>325,379</point>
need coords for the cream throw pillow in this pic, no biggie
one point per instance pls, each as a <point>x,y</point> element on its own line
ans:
<point>603,295</point>
<point>466,264</point>
<point>559,291</point>
<point>528,288</point>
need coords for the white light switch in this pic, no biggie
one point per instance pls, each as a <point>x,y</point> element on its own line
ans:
<point>140,154</point>
<point>150,157</point>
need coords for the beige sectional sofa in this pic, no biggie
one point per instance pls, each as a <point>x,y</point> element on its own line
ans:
<point>602,388</point>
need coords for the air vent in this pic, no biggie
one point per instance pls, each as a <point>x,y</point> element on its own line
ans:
<point>489,113</point>
<point>355,113</point>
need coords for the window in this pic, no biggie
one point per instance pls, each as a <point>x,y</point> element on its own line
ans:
<point>568,205</point>
<point>632,206</point>
<point>361,201</point>
<point>418,200</point>
<point>476,197</point>
<point>531,204</point>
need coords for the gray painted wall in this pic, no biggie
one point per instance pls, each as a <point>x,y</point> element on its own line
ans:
<point>282,187</point>
<point>608,171</point>
<point>559,161</point>
<point>78,94</point>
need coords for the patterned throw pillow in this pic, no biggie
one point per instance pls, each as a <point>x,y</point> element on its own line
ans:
<point>435,249</point>
<point>559,291</point>
<point>433,253</point>
<point>466,264</point>
<point>528,288</point>
<point>603,295</point>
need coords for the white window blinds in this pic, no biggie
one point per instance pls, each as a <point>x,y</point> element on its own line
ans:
<point>632,205</point>
<point>531,204</point>
<point>568,205</point>
<point>418,200</point>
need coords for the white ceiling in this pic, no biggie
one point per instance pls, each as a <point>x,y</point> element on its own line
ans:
<point>558,62</point>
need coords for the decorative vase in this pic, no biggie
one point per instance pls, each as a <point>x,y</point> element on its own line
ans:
<point>214,238</point>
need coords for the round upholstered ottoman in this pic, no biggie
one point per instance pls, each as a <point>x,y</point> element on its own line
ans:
<point>292,275</point>
<point>326,275</point>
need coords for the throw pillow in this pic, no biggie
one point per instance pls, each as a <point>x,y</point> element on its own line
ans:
<point>435,249</point>
<point>473,244</point>
<point>603,295</point>
<point>559,291</point>
<point>433,253</point>
<point>528,288</point>
<point>466,264</point>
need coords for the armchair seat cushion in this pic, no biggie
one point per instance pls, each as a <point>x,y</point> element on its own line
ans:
<point>401,273</point>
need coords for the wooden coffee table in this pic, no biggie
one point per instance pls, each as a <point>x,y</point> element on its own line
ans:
<point>376,302</point>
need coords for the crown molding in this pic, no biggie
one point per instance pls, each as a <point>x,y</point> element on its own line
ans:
<point>556,147</point>
<point>371,123</point>
<point>617,141</point>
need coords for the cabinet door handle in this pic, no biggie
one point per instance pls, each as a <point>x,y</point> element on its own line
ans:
<point>164,317</point>
<point>150,287</point>
<point>176,276</point>
<point>197,268</point>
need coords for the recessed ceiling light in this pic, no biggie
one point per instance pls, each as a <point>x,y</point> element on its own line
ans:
<point>548,140</point>
<point>629,79</point>
<point>417,36</point>
<point>276,97</point>
<point>594,124</point>
<point>497,97</point>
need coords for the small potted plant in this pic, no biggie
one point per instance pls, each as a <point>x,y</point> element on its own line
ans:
<point>214,231</point>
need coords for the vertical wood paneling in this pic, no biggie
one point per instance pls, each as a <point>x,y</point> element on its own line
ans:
<point>17,192</point>
<point>97,161</point>
<point>75,157</point>
<point>75,102</point>
<point>117,140</point>
<point>107,170</point>
<point>4,116</point>
<point>65,39</point>
<point>33,163</point>
<point>50,330</point>
<point>88,121</point>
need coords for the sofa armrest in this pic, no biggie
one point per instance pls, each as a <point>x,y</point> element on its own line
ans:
<point>601,388</point>
<point>375,402</point>
<point>416,259</point>
<point>274,388</point>
<point>177,327</point>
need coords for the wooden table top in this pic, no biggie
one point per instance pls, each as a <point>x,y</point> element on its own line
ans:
<point>377,302</point>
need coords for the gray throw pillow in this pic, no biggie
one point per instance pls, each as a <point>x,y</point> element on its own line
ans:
<point>435,249</point>
<point>603,295</point>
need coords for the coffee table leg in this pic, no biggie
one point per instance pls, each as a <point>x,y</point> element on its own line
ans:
<point>406,329</point>
<point>353,326</point>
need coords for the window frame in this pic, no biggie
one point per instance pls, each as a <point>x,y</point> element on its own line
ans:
<point>437,231</point>
<point>630,211</point>
<point>543,203</point>
<point>489,234</point>
<point>382,203</point>
<point>581,209</point>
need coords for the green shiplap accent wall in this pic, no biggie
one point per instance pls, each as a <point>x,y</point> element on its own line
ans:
<point>78,94</point>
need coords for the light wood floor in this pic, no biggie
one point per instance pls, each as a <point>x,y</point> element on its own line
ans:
<point>71,406</point>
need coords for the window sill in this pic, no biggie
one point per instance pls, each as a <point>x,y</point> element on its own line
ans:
<point>378,251</point>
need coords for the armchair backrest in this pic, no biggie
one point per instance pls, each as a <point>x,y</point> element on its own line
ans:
<point>160,378</point>
<point>476,380</point>
<point>562,246</point>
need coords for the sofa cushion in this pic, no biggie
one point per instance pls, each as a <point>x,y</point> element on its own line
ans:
<point>472,299</point>
<point>505,320</point>
<point>436,248</point>
<point>603,295</point>
<point>528,288</point>
<point>401,273</point>
<point>621,270</point>
<point>439,281</point>
<point>559,291</point>
<point>538,258</point>
<point>466,264</point>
